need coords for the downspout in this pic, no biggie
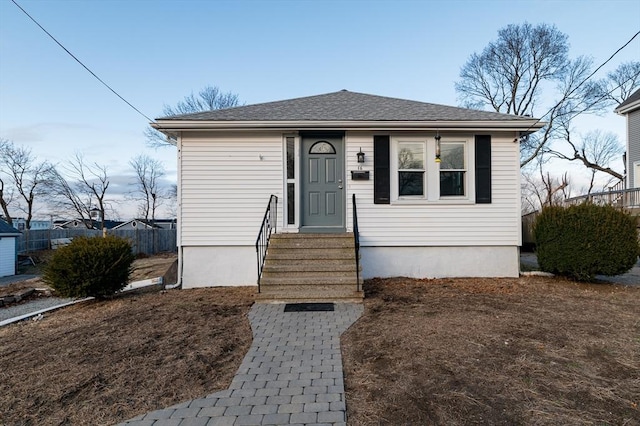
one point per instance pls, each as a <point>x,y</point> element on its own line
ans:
<point>179,273</point>
<point>178,143</point>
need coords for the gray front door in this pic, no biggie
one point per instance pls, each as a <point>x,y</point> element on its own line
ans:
<point>322,184</point>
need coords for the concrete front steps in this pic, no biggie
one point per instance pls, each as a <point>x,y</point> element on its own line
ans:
<point>310,268</point>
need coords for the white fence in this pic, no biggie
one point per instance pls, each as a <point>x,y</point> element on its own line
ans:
<point>147,241</point>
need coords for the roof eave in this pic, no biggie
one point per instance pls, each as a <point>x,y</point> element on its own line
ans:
<point>627,108</point>
<point>172,126</point>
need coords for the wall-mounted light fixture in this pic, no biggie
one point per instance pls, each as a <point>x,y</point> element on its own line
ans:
<point>360,156</point>
<point>437,147</point>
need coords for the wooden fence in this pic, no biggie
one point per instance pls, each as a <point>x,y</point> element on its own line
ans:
<point>147,241</point>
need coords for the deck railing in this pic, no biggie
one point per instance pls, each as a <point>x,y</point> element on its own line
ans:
<point>356,240</point>
<point>625,198</point>
<point>268,225</point>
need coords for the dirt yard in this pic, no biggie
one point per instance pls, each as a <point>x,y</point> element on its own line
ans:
<point>102,362</point>
<point>535,351</point>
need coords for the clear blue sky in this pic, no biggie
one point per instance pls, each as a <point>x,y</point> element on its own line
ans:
<point>156,52</point>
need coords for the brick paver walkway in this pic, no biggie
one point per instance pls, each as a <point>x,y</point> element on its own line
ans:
<point>292,374</point>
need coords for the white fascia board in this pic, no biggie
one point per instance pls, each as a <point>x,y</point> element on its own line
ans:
<point>170,126</point>
<point>628,108</point>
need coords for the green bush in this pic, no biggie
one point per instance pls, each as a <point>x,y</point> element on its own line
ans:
<point>586,240</point>
<point>97,267</point>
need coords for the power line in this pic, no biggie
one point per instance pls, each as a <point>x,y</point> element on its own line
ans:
<point>80,62</point>
<point>584,81</point>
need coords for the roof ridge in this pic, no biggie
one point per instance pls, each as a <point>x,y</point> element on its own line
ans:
<point>345,105</point>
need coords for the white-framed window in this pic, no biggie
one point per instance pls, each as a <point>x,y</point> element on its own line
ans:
<point>411,160</point>
<point>453,169</point>
<point>417,177</point>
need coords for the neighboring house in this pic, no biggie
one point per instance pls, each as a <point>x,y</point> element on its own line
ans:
<point>21,224</point>
<point>82,224</point>
<point>8,255</point>
<point>74,224</point>
<point>137,224</point>
<point>417,217</point>
<point>631,109</point>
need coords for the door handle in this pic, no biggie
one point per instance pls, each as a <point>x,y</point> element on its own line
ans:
<point>339,186</point>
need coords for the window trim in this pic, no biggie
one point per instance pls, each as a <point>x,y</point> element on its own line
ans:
<point>295,181</point>
<point>432,171</point>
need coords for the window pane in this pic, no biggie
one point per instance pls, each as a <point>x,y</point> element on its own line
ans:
<point>410,183</point>
<point>322,147</point>
<point>291,204</point>
<point>451,183</point>
<point>410,156</point>
<point>291,161</point>
<point>452,155</point>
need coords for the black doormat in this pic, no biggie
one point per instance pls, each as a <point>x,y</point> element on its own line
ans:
<point>308,307</point>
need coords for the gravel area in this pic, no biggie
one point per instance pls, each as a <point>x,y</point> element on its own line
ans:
<point>31,306</point>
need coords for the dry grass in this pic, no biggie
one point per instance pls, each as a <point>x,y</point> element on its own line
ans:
<point>539,351</point>
<point>102,362</point>
<point>533,350</point>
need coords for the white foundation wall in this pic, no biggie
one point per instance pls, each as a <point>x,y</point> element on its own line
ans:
<point>440,262</point>
<point>215,266</point>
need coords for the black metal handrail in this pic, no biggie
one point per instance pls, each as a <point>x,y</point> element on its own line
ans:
<point>268,225</point>
<point>356,240</point>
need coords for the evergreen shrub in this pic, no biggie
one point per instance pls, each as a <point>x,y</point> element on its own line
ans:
<point>586,240</point>
<point>95,266</point>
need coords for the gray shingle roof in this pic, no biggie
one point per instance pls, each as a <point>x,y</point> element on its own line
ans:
<point>346,106</point>
<point>6,229</point>
<point>635,96</point>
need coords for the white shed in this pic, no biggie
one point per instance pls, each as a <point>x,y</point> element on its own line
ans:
<point>8,235</point>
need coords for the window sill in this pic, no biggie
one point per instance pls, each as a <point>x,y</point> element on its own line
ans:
<point>442,201</point>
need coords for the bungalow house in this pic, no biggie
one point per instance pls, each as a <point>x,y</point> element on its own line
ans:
<point>8,253</point>
<point>630,108</point>
<point>434,191</point>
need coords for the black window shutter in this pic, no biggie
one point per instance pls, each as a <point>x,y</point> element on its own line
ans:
<point>483,169</point>
<point>381,177</point>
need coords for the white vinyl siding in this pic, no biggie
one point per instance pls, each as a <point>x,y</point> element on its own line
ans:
<point>442,223</point>
<point>226,181</point>
<point>7,256</point>
<point>633,147</point>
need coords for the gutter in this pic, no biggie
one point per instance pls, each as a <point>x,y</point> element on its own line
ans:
<point>168,126</point>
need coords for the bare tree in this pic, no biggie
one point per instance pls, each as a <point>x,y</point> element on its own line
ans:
<point>622,82</point>
<point>28,176</point>
<point>65,197</point>
<point>541,189</point>
<point>208,99</point>
<point>148,190</point>
<point>595,150</point>
<point>84,191</point>
<point>511,73</point>
<point>6,192</point>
